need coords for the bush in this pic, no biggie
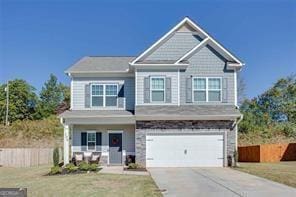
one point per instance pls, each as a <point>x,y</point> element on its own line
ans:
<point>55,170</point>
<point>70,168</point>
<point>83,166</point>
<point>56,156</point>
<point>93,167</point>
<point>289,129</point>
<point>133,166</point>
<point>129,159</point>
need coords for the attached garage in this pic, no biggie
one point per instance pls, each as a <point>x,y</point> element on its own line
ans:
<point>185,150</point>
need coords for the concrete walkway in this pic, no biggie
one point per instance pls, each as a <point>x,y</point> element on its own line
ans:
<point>215,182</point>
<point>119,170</point>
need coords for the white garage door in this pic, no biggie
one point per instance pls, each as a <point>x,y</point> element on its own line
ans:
<point>173,150</point>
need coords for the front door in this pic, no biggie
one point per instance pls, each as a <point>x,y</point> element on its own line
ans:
<point>115,148</point>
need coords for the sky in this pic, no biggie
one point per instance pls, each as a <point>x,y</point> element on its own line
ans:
<point>42,37</point>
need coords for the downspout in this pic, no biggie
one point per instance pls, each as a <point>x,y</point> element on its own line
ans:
<point>236,134</point>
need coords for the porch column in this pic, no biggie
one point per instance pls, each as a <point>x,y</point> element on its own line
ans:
<point>66,144</point>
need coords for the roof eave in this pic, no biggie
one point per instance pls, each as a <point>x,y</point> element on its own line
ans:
<point>98,72</point>
<point>180,117</point>
<point>159,66</point>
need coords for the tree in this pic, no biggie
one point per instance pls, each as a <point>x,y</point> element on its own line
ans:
<point>274,109</point>
<point>51,96</point>
<point>65,104</point>
<point>22,100</point>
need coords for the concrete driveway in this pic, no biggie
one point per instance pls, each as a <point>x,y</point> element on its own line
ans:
<point>215,182</point>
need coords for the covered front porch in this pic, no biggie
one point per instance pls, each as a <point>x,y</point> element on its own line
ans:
<point>110,134</point>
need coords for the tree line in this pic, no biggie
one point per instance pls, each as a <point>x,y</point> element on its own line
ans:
<point>273,110</point>
<point>26,104</point>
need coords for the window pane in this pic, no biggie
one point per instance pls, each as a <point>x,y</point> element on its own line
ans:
<point>199,84</point>
<point>214,95</point>
<point>111,101</point>
<point>111,90</point>
<point>199,95</point>
<point>97,90</point>
<point>97,101</point>
<point>157,95</point>
<point>91,136</point>
<point>158,83</point>
<point>91,145</point>
<point>214,84</point>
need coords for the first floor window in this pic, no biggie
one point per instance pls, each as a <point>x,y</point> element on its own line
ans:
<point>207,89</point>
<point>104,95</point>
<point>91,141</point>
<point>157,89</point>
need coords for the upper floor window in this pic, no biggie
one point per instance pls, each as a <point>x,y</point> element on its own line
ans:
<point>111,95</point>
<point>104,95</point>
<point>97,95</point>
<point>214,89</point>
<point>157,89</point>
<point>207,89</point>
<point>200,89</point>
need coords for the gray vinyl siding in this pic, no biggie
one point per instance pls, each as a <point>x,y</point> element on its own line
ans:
<point>207,63</point>
<point>128,137</point>
<point>79,90</point>
<point>141,74</point>
<point>175,47</point>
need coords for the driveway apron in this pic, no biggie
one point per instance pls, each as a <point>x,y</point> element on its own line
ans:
<point>215,182</point>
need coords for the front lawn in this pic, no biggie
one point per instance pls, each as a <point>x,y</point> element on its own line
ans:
<point>92,184</point>
<point>282,172</point>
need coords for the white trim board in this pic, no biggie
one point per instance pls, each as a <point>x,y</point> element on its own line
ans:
<point>200,45</point>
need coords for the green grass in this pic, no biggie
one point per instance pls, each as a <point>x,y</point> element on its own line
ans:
<point>282,172</point>
<point>92,184</point>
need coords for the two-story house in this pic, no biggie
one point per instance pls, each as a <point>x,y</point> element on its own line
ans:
<point>174,105</point>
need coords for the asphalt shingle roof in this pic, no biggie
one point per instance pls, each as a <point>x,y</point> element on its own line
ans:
<point>95,113</point>
<point>189,112</point>
<point>101,64</point>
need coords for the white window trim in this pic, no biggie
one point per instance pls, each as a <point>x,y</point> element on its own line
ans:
<point>91,132</point>
<point>104,95</point>
<point>207,89</point>
<point>164,87</point>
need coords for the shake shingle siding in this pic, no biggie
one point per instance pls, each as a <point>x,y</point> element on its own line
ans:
<point>79,90</point>
<point>172,74</point>
<point>175,47</point>
<point>207,63</point>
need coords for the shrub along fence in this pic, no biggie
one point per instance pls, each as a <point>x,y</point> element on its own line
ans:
<point>25,157</point>
<point>267,153</point>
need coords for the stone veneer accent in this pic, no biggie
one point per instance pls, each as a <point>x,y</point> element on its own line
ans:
<point>173,126</point>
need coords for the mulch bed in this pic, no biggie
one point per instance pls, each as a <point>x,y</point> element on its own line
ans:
<point>136,170</point>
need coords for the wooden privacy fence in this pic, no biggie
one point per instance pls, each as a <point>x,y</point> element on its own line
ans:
<point>25,157</point>
<point>267,153</point>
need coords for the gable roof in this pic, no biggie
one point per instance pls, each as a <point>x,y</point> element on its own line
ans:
<point>208,40</point>
<point>101,64</point>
